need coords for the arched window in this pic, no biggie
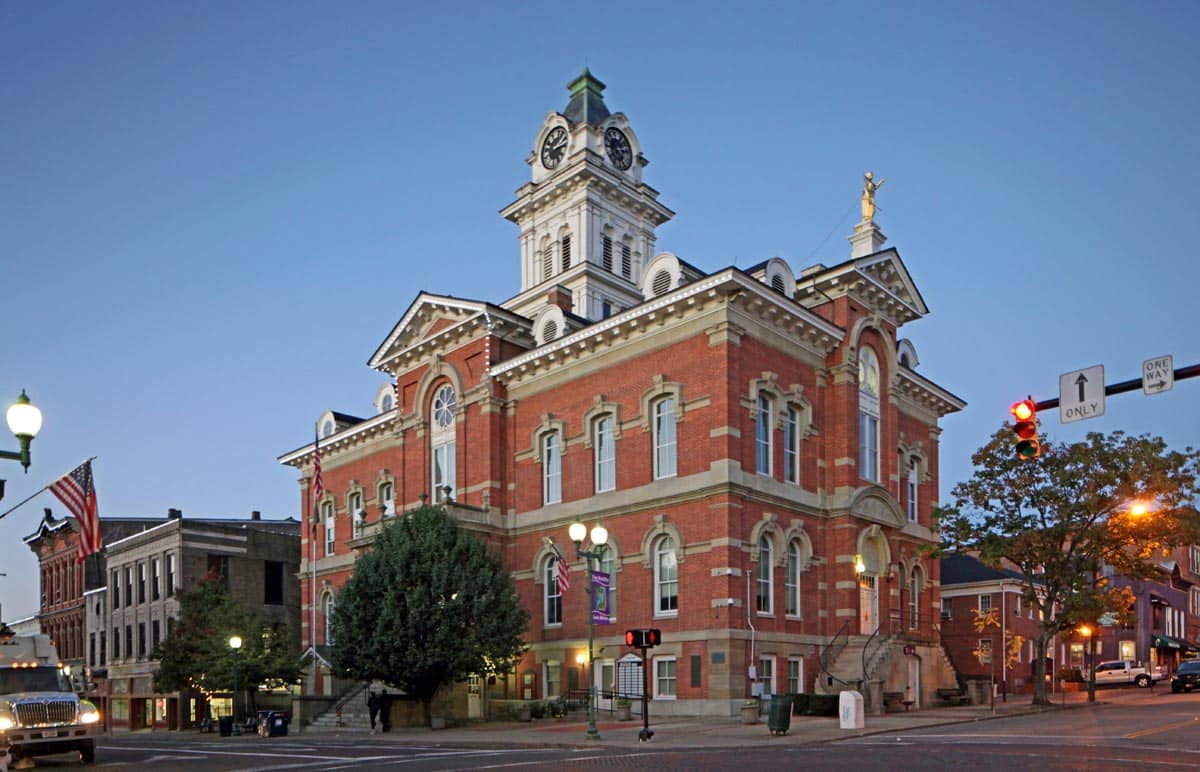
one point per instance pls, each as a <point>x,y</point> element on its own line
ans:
<point>791,445</point>
<point>914,599</point>
<point>327,608</point>
<point>763,599</point>
<point>552,605</point>
<point>911,490</point>
<point>551,468</point>
<point>762,435</point>
<point>664,438</point>
<point>605,454</point>
<point>387,499</point>
<point>666,578</point>
<point>327,518</point>
<point>868,415</point>
<point>357,515</point>
<point>792,581</point>
<point>442,443</point>
<point>607,565</point>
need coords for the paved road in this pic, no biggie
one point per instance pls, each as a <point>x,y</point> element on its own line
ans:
<point>1156,731</point>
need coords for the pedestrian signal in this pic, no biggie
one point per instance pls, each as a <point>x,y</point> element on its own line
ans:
<point>1026,429</point>
<point>635,638</point>
<point>653,637</point>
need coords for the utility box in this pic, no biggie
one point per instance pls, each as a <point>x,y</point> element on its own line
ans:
<point>850,710</point>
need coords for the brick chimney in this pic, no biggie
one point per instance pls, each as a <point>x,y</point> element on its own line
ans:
<point>561,297</point>
<point>174,514</point>
<point>255,515</point>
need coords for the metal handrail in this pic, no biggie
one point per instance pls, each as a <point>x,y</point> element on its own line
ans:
<point>833,651</point>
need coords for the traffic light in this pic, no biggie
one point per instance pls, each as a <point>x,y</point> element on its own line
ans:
<point>1026,429</point>
<point>653,637</point>
<point>635,638</point>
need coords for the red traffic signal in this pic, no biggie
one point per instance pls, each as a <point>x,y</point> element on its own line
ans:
<point>653,637</point>
<point>635,638</point>
<point>1026,429</point>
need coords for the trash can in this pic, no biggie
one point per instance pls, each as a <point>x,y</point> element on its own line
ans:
<point>277,725</point>
<point>779,720</point>
<point>225,723</point>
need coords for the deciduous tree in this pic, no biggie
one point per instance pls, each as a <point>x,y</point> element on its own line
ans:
<point>1061,518</point>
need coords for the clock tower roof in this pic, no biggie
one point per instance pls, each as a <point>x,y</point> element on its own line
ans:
<point>587,104</point>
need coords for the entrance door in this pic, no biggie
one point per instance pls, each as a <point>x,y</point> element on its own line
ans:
<point>914,681</point>
<point>605,683</point>
<point>474,696</point>
<point>868,604</point>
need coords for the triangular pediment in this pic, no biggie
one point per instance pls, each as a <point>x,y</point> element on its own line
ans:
<point>880,281</point>
<point>432,321</point>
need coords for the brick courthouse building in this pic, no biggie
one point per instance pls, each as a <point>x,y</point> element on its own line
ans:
<point>758,443</point>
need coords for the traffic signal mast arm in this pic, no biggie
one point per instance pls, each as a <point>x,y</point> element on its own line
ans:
<point>1191,371</point>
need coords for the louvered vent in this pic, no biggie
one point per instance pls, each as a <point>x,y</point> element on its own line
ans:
<point>777,283</point>
<point>547,262</point>
<point>549,331</point>
<point>607,243</point>
<point>566,252</point>
<point>662,283</point>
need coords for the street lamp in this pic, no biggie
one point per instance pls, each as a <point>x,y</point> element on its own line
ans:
<point>24,420</point>
<point>1087,632</point>
<point>599,538</point>
<point>235,643</point>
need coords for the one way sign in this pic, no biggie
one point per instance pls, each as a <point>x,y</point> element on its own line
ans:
<point>1081,394</point>
<point>1158,375</point>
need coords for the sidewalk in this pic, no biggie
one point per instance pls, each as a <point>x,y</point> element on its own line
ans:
<point>714,732</point>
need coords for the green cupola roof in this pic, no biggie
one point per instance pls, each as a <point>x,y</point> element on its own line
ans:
<point>586,105</point>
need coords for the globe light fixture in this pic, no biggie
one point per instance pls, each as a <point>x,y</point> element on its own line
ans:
<point>24,421</point>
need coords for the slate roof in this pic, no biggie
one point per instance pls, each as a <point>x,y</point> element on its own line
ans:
<point>964,569</point>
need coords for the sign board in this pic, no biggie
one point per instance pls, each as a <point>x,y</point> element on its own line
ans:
<point>1081,394</point>
<point>601,599</point>
<point>1158,374</point>
<point>1107,619</point>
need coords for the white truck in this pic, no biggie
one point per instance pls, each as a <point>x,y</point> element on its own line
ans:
<point>40,713</point>
<point>1123,671</point>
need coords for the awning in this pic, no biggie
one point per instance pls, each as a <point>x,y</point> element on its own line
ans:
<point>1167,642</point>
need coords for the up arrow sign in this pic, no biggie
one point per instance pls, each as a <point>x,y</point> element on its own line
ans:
<point>1081,394</point>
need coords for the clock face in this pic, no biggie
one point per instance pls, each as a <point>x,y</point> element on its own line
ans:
<point>554,147</point>
<point>617,145</point>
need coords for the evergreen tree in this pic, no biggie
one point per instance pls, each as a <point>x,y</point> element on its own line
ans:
<point>427,606</point>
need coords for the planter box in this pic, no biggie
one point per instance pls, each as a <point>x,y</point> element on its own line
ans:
<point>750,714</point>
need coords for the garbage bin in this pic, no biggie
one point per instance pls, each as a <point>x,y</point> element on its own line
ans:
<point>779,720</point>
<point>225,724</point>
<point>277,725</point>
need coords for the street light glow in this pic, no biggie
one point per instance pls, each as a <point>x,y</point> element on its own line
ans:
<point>577,531</point>
<point>235,642</point>
<point>24,418</point>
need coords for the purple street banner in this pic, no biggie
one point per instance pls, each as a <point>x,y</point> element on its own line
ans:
<point>601,606</point>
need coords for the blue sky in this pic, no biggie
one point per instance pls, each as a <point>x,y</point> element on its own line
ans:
<point>212,213</point>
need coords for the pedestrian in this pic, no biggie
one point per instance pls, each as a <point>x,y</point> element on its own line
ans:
<point>373,707</point>
<point>385,710</point>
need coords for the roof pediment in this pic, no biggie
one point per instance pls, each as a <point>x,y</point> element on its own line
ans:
<point>431,323</point>
<point>880,281</point>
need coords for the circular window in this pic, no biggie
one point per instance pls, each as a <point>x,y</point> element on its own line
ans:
<point>443,406</point>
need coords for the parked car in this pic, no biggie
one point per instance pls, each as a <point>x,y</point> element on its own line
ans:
<point>1125,672</point>
<point>1186,677</point>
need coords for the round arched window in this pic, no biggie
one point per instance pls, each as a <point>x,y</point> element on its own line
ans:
<point>443,406</point>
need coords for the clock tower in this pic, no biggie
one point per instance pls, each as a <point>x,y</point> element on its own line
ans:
<point>587,220</point>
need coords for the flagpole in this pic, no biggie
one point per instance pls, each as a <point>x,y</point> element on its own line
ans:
<point>39,490</point>
<point>312,551</point>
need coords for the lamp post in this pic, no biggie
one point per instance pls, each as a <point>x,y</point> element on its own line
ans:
<point>235,643</point>
<point>599,538</point>
<point>1089,636</point>
<point>24,420</point>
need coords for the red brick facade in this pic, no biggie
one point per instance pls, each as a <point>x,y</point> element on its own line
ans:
<point>717,348</point>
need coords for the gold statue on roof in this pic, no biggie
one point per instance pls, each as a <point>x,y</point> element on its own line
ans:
<point>868,196</point>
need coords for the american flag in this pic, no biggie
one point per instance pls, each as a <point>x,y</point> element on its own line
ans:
<point>77,491</point>
<point>564,579</point>
<point>318,485</point>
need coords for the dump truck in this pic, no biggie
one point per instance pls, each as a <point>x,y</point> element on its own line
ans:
<point>40,713</point>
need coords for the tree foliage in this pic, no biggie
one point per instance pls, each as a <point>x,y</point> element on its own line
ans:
<point>428,605</point>
<point>1066,520</point>
<point>196,652</point>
